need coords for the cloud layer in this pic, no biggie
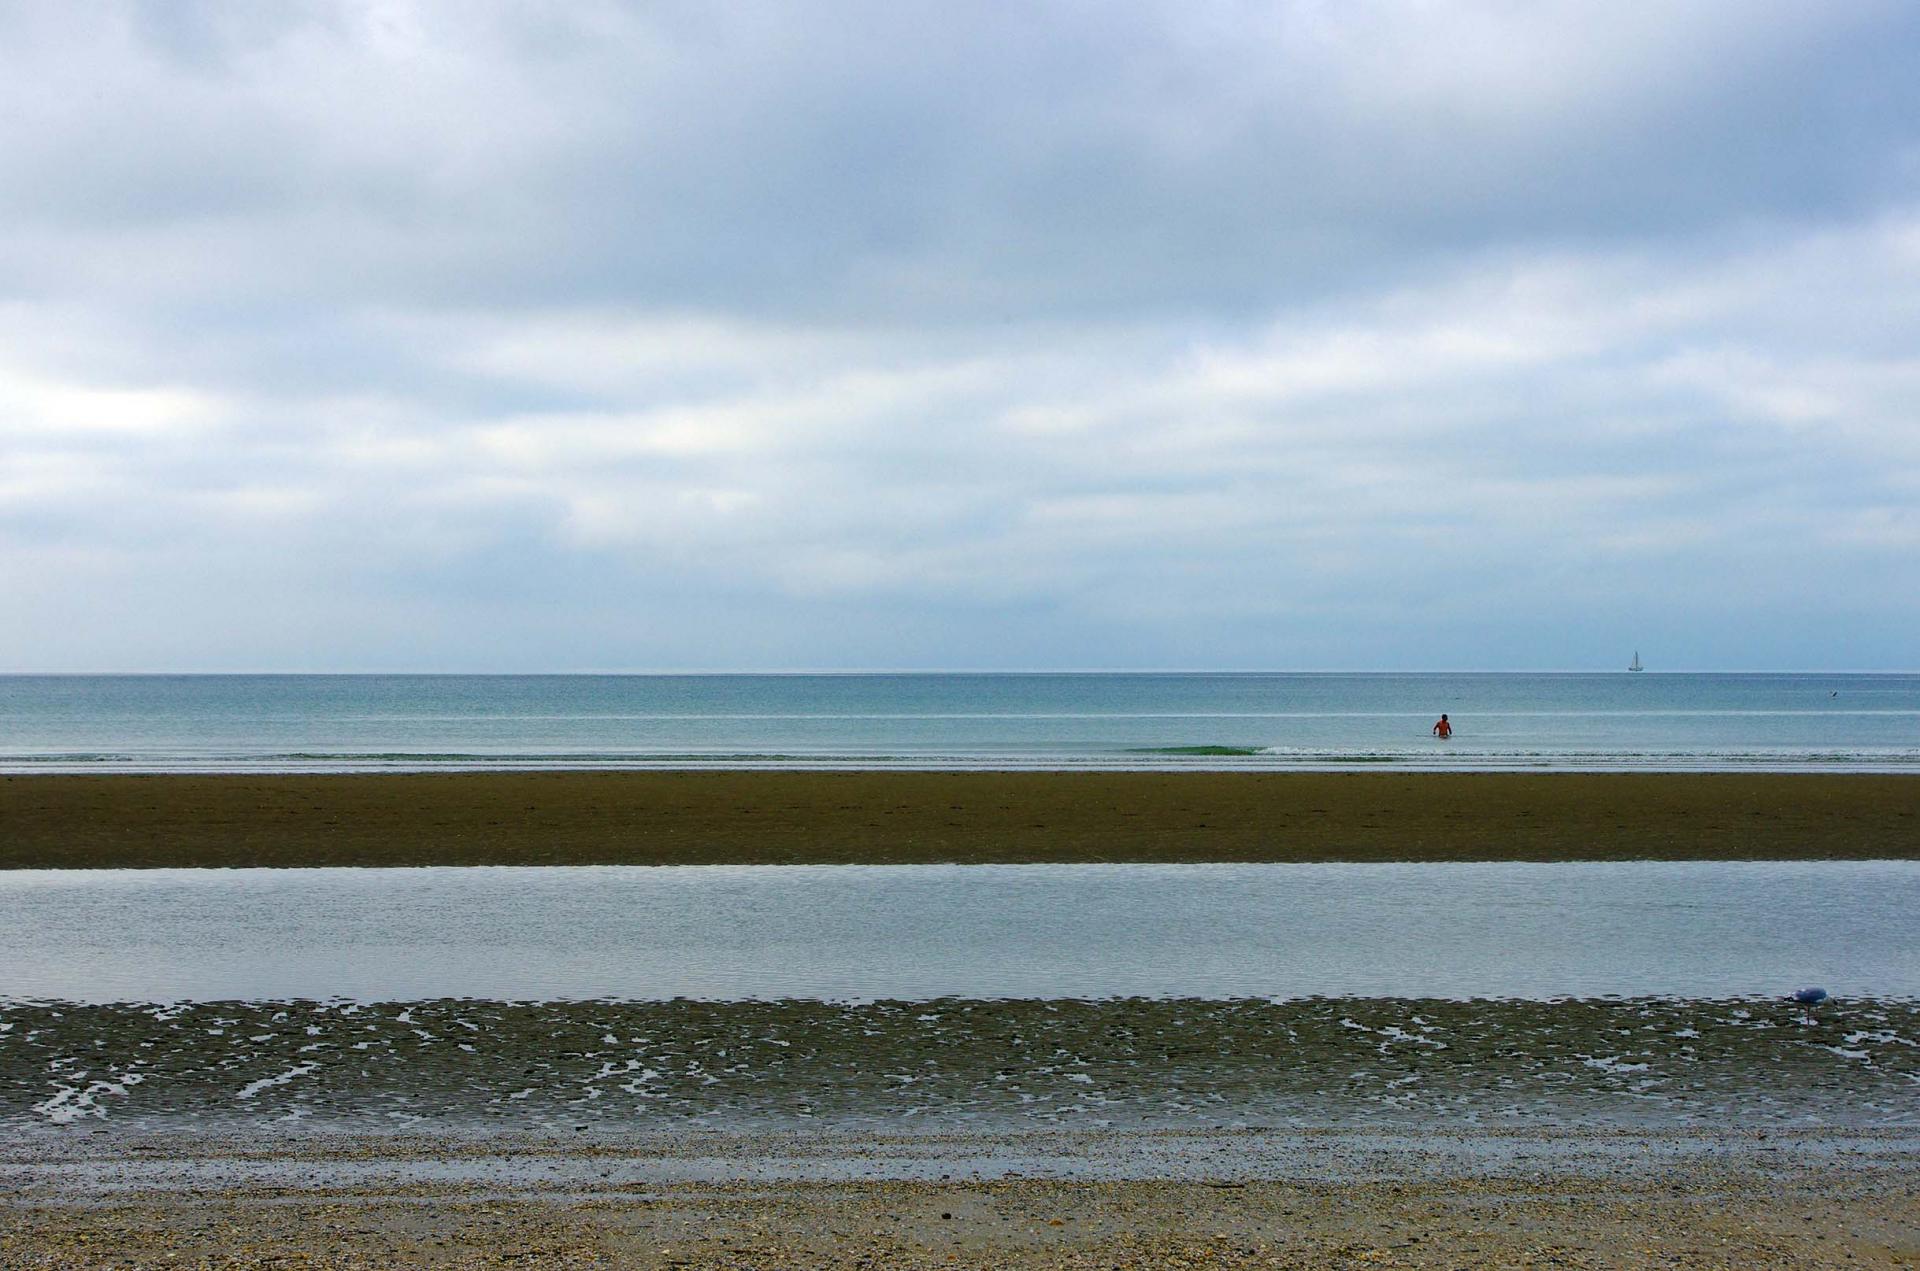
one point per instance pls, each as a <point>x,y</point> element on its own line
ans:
<point>491,336</point>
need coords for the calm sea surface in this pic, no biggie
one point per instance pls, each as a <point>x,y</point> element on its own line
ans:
<point>1503,721</point>
<point>867,933</point>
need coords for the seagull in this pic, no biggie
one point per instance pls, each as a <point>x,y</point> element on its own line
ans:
<point>1811,999</point>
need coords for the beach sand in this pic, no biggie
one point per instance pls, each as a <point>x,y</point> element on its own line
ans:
<point>769,817</point>
<point>1528,1139</point>
<point>1491,1200</point>
<point>781,1135</point>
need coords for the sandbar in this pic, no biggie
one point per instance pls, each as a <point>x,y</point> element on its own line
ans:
<point>893,817</point>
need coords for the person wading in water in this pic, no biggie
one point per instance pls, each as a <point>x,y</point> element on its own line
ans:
<point>1443,729</point>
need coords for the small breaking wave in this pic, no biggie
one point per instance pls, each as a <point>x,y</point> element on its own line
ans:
<point>1224,756</point>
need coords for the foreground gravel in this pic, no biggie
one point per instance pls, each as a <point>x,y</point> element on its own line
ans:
<point>1116,1134</point>
<point>1720,1218</point>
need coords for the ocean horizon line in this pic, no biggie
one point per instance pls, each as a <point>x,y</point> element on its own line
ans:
<point>903,672</point>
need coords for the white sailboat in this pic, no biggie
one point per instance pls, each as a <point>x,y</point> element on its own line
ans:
<point>1635,664</point>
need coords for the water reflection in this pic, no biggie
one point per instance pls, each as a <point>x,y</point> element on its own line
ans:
<point>865,933</point>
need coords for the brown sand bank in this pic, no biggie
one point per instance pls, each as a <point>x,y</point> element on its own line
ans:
<point>671,818</point>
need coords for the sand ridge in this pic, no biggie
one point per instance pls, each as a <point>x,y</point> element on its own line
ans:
<point>785,817</point>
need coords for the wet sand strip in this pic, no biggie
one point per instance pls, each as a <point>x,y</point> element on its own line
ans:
<point>618,1067</point>
<point>766,817</point>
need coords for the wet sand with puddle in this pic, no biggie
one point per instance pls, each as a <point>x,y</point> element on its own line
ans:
<point>1130,1133</point>
<point>472,1066</point>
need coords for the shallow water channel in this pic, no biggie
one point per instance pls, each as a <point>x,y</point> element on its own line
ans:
<point>872,933</point>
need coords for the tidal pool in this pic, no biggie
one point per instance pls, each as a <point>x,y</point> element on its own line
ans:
<point>874,933</point>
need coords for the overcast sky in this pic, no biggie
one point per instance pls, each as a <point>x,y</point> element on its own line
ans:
<point>514,336</point>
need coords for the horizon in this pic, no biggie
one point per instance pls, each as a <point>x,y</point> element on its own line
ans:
<point>824,672</point>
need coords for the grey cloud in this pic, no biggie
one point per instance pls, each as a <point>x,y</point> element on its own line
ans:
<point>872,160</point>
<point>498,336</point>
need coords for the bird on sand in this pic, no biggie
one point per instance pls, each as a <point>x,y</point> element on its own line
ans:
<point>1810,998</point>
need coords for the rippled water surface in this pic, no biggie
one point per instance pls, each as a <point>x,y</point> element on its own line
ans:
<point>1611,720</point>
<point>867,933</point>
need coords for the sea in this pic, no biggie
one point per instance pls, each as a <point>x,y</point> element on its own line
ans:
<point>1116,721</point>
